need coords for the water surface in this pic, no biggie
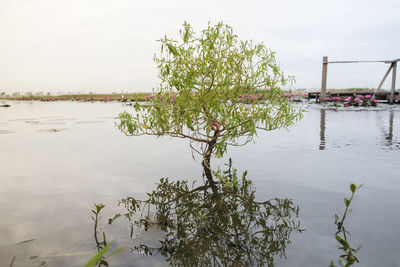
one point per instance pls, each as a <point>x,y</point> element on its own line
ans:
<point>57,159</point>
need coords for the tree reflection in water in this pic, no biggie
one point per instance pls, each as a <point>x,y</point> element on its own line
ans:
<point>219,224</point>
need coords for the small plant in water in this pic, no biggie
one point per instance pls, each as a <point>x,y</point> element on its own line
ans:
<point>348,258</point>
<point>102,247</point>
<point>99,258</point>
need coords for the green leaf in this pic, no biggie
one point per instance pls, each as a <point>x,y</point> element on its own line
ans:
<point>353,188</point>
<point>93,261</point>
<point>115,252</point>
<point>342,241</point>
<point>172,49</point>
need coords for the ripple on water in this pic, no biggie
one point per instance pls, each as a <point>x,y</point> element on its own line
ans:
<point>24,119</point>
<point>50,117</point>
<point>32,122</point>
<point>52,130</point>
<point>6,131</point>
<point>45,122</point>
<point>63,119</point>
<point>90,122</point>
<point>107,118</point>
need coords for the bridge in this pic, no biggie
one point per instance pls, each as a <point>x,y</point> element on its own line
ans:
<point>391,96</point>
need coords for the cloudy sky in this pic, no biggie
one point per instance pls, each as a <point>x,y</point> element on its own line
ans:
<point>108,45</point>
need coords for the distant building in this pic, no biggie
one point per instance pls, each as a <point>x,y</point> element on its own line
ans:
<point>16,94</point>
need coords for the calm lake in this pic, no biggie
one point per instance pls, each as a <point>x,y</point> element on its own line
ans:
<point>58,159</point>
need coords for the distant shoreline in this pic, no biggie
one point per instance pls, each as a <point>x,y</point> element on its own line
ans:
<point>130,97</point>
<point>83,97</point>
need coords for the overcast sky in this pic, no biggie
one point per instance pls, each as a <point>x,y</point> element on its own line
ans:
<point>108,45</point>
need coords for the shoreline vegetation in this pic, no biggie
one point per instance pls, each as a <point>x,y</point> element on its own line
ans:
<point>83,97</point>
<point>131,97</point>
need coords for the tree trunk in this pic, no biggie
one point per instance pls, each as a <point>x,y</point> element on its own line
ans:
<point>207,166</point>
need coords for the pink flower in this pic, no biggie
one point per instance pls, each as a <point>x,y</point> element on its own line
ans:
<point>368,96</point>
<point>357,100</point>
<point>375,101</point>
<point>347,105</point>
<point>347,99</point>
<point>327,99</point>
<point>360,96</point>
